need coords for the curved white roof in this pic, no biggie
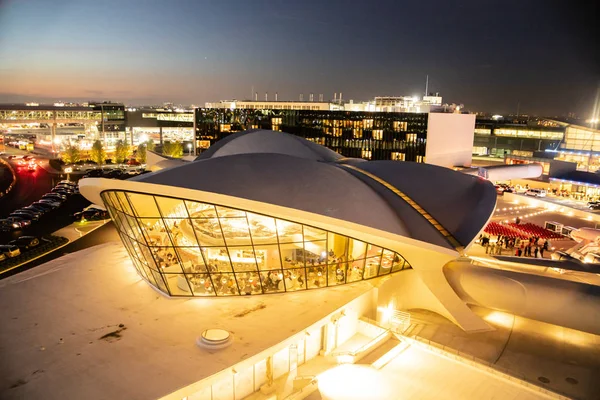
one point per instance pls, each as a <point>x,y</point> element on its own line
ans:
<point>263,141</point>
<point>420,201</point>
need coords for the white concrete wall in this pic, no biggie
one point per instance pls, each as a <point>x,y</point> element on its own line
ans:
<point>450,139</point>
<point>555,301</point>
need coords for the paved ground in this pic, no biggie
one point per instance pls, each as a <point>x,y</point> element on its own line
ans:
<point>566,359</point>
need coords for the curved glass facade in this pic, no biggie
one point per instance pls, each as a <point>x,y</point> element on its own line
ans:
<point>188,248</point>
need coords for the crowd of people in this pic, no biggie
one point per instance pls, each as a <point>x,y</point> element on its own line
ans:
<point>530,247</point>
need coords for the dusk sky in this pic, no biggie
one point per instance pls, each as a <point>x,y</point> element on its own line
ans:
<point>489,55</point>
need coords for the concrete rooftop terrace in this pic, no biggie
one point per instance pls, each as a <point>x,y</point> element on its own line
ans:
<point>87,326</point>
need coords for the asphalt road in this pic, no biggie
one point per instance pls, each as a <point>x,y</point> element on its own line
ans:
<point>105,234</point>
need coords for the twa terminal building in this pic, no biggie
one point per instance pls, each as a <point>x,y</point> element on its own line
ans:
<point>264,212</point>
<point>270,267</point>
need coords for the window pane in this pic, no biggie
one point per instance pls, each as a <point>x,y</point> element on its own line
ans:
<point>249,283</point>
<point>371,267</point>
<point>159,281</point>
<point>263,229</point>
<point>144,205</point>
<point>112,198</point>
<point>373,251</point>
<point>154,231</point>
<point>267,257</point>
<point>356,249</point>
<point>201,285</point>
<point>386,262</point>
<point>191,259</point>
<point>356,270</point>
<point>272,281</point>
<point>124,203</point>
<point>242,258</point>
<point>175,228</point>
<point>289,231</point>
<point>315,277</point>
<point>292,255</point>
<point>208,231</point>
<point>225,284</point>
<point>229,212</point>
<point>294,279</point>
<point>398,262</point>
<point>311,233</point>
<point>338,246</point>
<point>316,252</point>
<point>236,231</point>
<point>200,210</point>
<point>217,259</point>
<point>178,285</point>
<point>336,273</point>
<point>136,232</point>
<point>171,208</point>
<point>166,257</point>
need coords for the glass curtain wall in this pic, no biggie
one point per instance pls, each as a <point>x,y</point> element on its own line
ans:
<point>188,248</point>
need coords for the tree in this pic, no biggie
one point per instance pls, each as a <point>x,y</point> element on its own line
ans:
<point>173,149</point>
<point>141,152</point>
<point>97,154</point>
<point>72,154</point>
<point>150,145</point>
<point>121,151</point>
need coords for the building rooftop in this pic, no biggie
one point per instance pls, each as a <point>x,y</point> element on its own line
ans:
<point>96,330</point>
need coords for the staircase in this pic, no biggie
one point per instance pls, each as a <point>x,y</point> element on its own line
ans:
<point>379,351</point>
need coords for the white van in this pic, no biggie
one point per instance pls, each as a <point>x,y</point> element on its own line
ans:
<point>536,192</point>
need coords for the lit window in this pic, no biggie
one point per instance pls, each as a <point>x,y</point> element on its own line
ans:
<point>411,137</point>
<point>398,156</point>
<point>366,154</point>
<point>367,124</point>
<point>400,126</point>
<point>225,127</point>
<point>378,134</point>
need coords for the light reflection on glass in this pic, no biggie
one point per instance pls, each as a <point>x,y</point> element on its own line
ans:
<point>188,248</point>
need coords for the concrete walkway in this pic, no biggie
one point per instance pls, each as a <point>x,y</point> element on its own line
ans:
<point>560,359</point>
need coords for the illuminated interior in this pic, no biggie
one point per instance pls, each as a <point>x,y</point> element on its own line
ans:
<point>188,248</point>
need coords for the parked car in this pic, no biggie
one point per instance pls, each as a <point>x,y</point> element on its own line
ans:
<point>22,221</point>
<point>594,206</point>
<point>43,205</point>
<point>25,242</point>
<point>10,250</point>
<point>7,225</point>
<point>59,197</point>
<point>35,209</point>
<point>65,182</point>
<point>97,173</point>
<point>91,215</point>
<point>64,189</point>
<point>66,186</point>
<point>536,193</point>
<point>53,202</point>
<point>25,215</point>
